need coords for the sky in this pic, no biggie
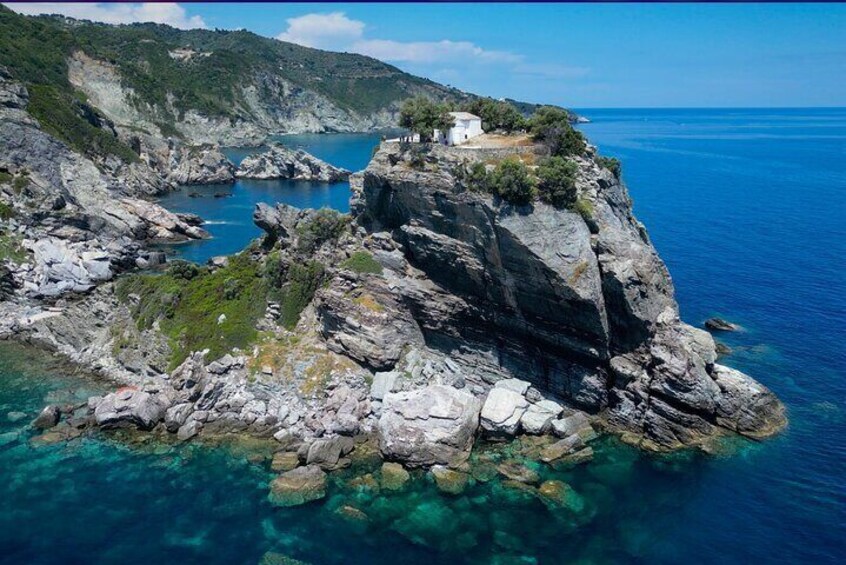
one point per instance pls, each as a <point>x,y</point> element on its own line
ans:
<point>576,55</point>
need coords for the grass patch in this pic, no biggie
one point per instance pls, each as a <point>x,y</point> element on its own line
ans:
<point>11,248</point>
<point>362,262</point>
<point>367,301</point>
<point>584,208</point>
<point>5,177</point>
<point>188,309</point>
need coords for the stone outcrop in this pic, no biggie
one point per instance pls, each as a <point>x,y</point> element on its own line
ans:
<point>204,164</point>
<point>432,425</point>
<point>582,307</point>
<point>280,162</point>
<point>132,408</point>
<point>298,486</point>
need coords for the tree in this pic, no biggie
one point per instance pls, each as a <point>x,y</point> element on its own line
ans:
<point>422,116</point>
<point>557,182</point>
<point>551,126</point>
<point>496,115</point>
<point>510,180</point>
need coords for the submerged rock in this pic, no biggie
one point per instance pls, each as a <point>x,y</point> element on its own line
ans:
<point>298,486</point>
<point>48,418</point>
<point>394,476</point>
<point>448,480</point>
<point>720,325</point>
<point>429,426</point>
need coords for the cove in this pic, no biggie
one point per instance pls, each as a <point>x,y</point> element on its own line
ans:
<point>227,209</point>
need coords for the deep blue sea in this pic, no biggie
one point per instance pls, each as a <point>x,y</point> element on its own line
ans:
<point>748,209</point>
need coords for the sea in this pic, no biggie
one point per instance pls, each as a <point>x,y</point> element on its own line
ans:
<point>747,208</point>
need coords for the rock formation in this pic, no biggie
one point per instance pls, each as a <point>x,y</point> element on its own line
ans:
<point>280,162</point>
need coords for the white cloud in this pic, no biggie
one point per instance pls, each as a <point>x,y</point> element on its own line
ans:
<point>336,31</point>
<point>169,13</point>
<point>324,31</point>
<point>430,51</point>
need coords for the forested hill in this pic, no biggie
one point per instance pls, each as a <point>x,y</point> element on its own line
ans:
<point>217,86</point>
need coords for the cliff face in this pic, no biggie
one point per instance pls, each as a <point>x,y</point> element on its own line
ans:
<point>581,307</point>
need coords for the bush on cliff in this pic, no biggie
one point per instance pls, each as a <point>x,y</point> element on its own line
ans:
<point>551,126</point>
<point>215,310</point>
<point>557,182</point>
<point>612,164</point>
<point>510,180</point>
<point>302,281</point>
<point>325,225</point>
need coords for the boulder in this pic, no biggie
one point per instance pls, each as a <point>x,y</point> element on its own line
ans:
<point>561,448</point>
<point>130,407</point>
<point>515,385</point>
<point>538,417</point>
<point>502,411</point>
<point>326,453</point>
<point>48,418</point>
<point>576,423</point>
<point>298,486</point>
<point>428,426</point>
<point>284,461</point>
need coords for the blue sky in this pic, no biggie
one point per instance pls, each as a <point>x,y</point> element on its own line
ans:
<point>577,55</point>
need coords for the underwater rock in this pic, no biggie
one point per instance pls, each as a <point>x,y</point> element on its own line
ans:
<point>284,461</point>
<point>720,325</point>
<point>516,471</point>
<point>394,476</point>
<point>561,448</point>
<point>449,481</point>
<point>48,418</point>
<point>327,452</point>
<point>298,486</point>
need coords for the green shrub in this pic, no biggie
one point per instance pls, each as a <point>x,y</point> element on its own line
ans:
<point>5,177</point>
<point>476,177</point>
<point>303,280</point>
<point>422,116</point>
<point>496,114</point>
<point>183,270</point>
<point>612,164</point>
<point>11,248</point>
<point>551,126</point>
<point>188,310</point>
<point>510,181</point>
<point>20,183</point>
<point>557,182</point>
<point>6,211</point>
<point>362,262</point>
<point>325,225</point>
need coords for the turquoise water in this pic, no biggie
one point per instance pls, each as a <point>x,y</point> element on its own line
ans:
<point>746,207</point>
<point>229,218</point>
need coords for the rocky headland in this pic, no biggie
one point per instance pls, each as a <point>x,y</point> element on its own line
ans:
<point>433,315</point>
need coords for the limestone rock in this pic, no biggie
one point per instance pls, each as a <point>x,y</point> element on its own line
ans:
<point>448,480</point>
<point>538,417</point>
<point>394,476</point>
<point>283,163</point>
<point>432,425</point>
<point>130,407</point>
<point>503,410</point>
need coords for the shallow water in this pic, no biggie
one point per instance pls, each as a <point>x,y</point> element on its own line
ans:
<point>746,208</point>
